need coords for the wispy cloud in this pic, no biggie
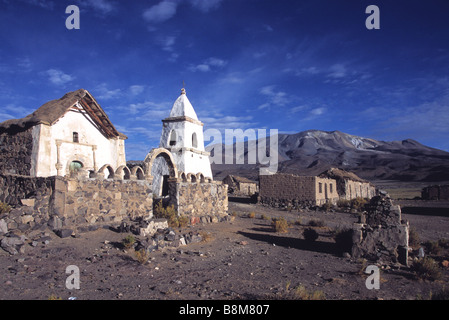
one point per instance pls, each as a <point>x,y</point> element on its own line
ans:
<point>136,89</point>
<point>205,5</point>
<point>208,64</point>
<point>58,77</point>
<point>101,6</point>
<point>166,9</point>
<point>275,98</point>
<point>160,12</point>
<point>104,93</point>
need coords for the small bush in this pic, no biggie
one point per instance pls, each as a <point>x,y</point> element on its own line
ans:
<point>310,234</point>
<point>280,225</point>
<point>358,203</point>
<point>343,203</point>
<point>427,269</point>
<point>128,241</point>
<point>301,293</point>
<point>252,215</point>
<point>142,256</point>
<point>326,206</point>
<point>171,215</point>
<point>4,208</point>
<point>264,217</point>
<point>432,247</point>
<point>443,294</point>
<point>443,243</point>
<point>206,236</point>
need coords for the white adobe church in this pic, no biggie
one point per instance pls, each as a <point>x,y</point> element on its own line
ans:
<point>66,134</point>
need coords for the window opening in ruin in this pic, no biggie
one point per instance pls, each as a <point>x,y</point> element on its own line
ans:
<point>320,187</point>
<point>75,166</point>
<point>325,191</point>
<point>331,188</point>
<point>76,137</point>
<point>165,185</point>
<point>172,138</point>
<point>194,140</point>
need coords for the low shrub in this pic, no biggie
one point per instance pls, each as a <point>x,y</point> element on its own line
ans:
<point>427,269</point>
<point>142,256</point>
<point>128,241</point>
<point>4,208</point>
<point>280,225</point>
<point>358,203</point>
<point>252,215</point>
<point>413,238</point>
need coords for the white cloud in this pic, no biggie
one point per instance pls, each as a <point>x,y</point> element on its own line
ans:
<point>104,93</point>
<point>160,12</point>
<point>167,42</point>
<point>57,77</point>
<point>205,5</point>
<point>166,9</point>
<point>207,64</point>
<point>136,89</point>
<point>276,98</point>
<point>337,71</point>
<point>103,6</point>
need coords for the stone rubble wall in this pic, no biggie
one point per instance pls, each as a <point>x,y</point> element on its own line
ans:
<point>16,152</point>
<point>381,235</point>
<point>355,189</point>
<point>201,201</point>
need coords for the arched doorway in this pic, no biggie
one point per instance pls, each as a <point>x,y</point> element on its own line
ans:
<point>75,166</point>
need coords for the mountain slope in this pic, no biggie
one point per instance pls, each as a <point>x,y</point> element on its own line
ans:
<point>312,152</point>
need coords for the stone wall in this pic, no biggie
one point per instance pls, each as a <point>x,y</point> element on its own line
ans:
<point>201,201</point>
<point>435,193</point>
<point>381,235</point>
<point>355,189</point>
<point>77,201</point>
<point>88,201</point>
<point>280,190</point>
<point>16,152</point>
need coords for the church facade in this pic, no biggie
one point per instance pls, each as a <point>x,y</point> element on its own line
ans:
<point>62,136</point>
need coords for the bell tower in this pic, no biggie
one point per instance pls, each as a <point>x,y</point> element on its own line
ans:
<point>182,135</point>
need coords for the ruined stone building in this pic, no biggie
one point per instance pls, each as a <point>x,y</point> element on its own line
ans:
<point>240,185</point>
<point>67,161</point>
<point>66,134</point>
<point>281,190</point>
<point>436,192</point>
<point>349,185</point>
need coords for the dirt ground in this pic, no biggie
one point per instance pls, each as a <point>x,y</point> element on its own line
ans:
<point>243,259</point>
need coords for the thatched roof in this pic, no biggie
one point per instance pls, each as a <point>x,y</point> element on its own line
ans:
<point>340,174</point>
<point>52,111</point>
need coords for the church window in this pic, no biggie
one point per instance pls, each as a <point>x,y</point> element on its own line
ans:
<point>76,137</point>
<point>194,140</point>
<point>172,138</point>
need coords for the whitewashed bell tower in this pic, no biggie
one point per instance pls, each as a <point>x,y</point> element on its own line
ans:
<point>182,135</point>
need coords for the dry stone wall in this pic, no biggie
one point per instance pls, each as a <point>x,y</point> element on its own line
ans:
<point>201,201</point>
<point>15,152</point>
<point>381,234</point>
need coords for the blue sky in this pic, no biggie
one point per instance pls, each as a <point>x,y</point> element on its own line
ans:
<point>290,65</point>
